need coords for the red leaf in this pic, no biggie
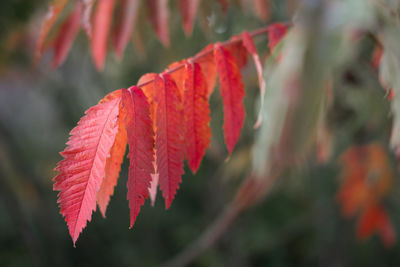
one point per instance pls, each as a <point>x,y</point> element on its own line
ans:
<point>169,136</point>
<point>238,51</point>
<point>141,143</point>
<point>101,27</point>
<point>177,75</point>
<point>53,13</point>
<point>123,28</point>
<point>232,93</point>
<point>207,65</point>
<point>188,11</point>
<point>87,12</point>
<point>159,15</point>
<point>197,115</point>
<point>275,34</point>
<point>83,167</point>
<point>114,161</point>
<point>66,35</point>
<point>248,42</point>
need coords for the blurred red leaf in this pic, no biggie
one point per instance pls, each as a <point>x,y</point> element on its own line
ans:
<point>101,27</point>
<point>66,35</point>
<point>188,10</point>
<point>159,16</point>
<point>55,8</point>
<point>126,19</point>
<point>367,179</point>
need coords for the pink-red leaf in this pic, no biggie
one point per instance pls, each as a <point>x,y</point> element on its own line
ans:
<point>141,143</point>
<point>248,42</point>
<point>169,136</point>
<point>82,169</point>
<point>188,11</point>
<point>66,35</point>
<point>101,27</point>
<point>53,13</point>
<point>197,115</point>
<point>159,16</point>
<point>125,24</point>
<point>114,161</point>
<point>232,93</point>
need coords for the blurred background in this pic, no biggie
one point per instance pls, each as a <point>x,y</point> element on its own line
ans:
<point>300,222</point>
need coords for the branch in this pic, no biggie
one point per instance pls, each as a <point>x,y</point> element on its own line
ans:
<point>251,192</point>
<point>258,32</point>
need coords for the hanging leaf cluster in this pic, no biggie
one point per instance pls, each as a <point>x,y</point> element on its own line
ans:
<point>115,20</point>
<point>164,120</point>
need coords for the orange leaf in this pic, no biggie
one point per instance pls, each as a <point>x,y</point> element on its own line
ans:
<point>159,16</point>
<point>177,75</point>
<point>125,24</point>
<point>114,161</point>
<point>232,93</point>
<point>148,90</point>
<point>83,168</point>
<point>169,136</point>
<point>248,42</point>
<point>197,115</point>
<point>141,143</point>
<point>207,65</point>
<point>375,219</point>
<point>53,13</point>
<point>101,27</point>
<point>188,11</point>
<point>66,35</point>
